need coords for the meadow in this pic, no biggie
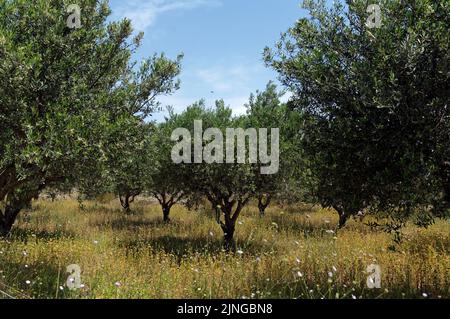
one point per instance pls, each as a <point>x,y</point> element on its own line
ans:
<point>292,252</point>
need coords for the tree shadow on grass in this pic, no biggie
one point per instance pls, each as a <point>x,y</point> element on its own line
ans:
<point>130,223</point>
<point>26,235</point>
<point>185,247</point>
<point>319,229</point>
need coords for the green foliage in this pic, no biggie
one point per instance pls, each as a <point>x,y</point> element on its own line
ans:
<point>265,110</point>
<point>165,182</point>
<point>66,92</point>
<point>375,102</point>
<point>227,186</point>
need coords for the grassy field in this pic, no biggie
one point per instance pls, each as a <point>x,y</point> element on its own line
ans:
<point>288,254</point>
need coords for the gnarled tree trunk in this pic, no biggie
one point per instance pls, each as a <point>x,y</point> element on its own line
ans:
<point>126,199</point>
<point>229,224</point>
<point>167,199</point>
<point>166,212</point>
<point>228,228</point>
<point>263,203</point>
<point>125,203</point>
<point>12,210</point>
<point>343,217</point>
<point>7,219</point>
<point>342,220</point>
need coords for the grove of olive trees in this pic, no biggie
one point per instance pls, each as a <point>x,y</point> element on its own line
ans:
<point>365,129</point>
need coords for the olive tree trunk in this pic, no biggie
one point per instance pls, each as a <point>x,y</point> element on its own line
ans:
<point>7,219</point>
<point>263,203</point>
<point>166,212</point>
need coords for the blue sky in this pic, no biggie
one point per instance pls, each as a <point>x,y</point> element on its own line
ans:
<point>222,42</point>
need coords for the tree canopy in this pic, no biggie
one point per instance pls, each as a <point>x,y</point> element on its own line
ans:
<point>63,90</point>
<point>375,103</point>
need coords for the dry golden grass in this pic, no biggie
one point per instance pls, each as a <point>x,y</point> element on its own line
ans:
<point>291,254</point>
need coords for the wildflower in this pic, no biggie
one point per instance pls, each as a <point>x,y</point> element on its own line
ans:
<point>297,260</point>
<point>240,252</point>
<point>258,259</point>
<point>28,282</point>
<point>118,284</point>
<point>95,242</point>
<point>330,274</point>
<point>299,274</point>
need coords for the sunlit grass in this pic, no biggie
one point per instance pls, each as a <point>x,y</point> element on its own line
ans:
<point>290,253</point>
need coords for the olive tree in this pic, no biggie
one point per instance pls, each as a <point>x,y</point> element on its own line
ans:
<point>265,110</point>
<point>165,182</point>
<point>129,162</point>
<point>215,161</point>
<point>62,90</point>
<point>375,103</point>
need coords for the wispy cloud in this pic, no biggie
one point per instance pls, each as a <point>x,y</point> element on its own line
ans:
<point>226,79</point>
<point>231,81</point>
<point>143,13</point>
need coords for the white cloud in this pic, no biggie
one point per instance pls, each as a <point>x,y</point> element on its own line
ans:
<point>143,13</point>
<point>232,82</point>
<point>177,101</point>
<point>237,104</point>
<point>226,79</point>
